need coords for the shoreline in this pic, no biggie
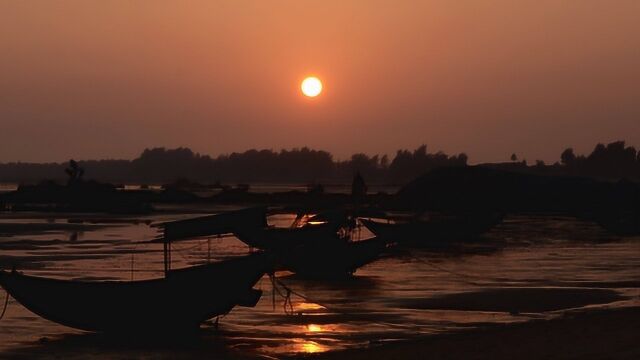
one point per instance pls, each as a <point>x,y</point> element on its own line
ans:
<point>611,333</point>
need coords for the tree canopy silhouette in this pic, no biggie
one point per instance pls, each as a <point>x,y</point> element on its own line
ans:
<point>304,165</point>
<point>614,160</point>
<point>161,165</point>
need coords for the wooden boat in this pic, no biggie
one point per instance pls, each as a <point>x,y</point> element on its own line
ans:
<point>315,250</point>
<point>313,247</point>
<point>182,300</point>
<point>276,239</point>
<point>334,260</point>
<point>434,232</point>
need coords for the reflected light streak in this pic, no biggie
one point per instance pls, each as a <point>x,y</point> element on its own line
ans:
<point>314,328</point>
<point>308,306</point>
<point>310,347</point>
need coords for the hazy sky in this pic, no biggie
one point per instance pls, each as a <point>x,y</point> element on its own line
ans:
<point>105,79</point>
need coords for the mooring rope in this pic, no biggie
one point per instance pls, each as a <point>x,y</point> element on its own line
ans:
<point>6,304</point>
<point>288,305</point>
<point>290,292</point>
<point>460,275</point>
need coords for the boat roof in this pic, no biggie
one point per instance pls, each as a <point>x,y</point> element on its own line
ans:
<point>210,225</point>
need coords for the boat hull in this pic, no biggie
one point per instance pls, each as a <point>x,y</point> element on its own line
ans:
<point>331,260</point>
<point>433,233</point>
<point>278,239</point>
<point>184,299</point>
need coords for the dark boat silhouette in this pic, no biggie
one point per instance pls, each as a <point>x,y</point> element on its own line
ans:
<point>437,231</point>
<point>335,260</point>
<point>182,300</point>
<point>280,238</point>
<point>218,224</point>
<point>315,250</point>
<point>251,227</point>
<point>309,248</point>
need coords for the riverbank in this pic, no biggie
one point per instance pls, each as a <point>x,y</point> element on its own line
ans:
<point>595,334</point>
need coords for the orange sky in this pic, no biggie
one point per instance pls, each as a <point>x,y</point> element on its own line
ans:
<point>105,79</point>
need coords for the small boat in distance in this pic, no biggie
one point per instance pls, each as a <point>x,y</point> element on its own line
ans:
<point>435,231</point>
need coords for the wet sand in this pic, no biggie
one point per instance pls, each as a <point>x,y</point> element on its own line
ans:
<point>596,334</point>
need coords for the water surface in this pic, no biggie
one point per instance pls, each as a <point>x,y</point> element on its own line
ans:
<point>527,268</point>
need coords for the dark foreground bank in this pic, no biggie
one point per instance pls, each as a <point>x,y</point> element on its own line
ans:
<point>593,334</point>
<point>597,334</point>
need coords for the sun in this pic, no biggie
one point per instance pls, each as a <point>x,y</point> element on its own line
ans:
<point>311,86</point>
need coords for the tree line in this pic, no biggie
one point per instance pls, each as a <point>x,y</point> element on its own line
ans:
<point>304,165</point>
<point>615,160</point>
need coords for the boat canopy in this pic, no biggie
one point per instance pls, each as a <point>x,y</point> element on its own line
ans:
<point>209,225</point>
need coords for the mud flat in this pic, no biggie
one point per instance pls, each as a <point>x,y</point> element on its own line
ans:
<point>594,334</point>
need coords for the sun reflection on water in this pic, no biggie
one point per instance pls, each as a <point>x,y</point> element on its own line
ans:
<point>313,328</point>
<point>305,306</point>
<point>308,346</point>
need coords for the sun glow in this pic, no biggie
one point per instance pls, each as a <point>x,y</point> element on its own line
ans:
<point>311,86</point>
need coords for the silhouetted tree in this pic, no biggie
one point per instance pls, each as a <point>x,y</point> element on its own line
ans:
<point>568,157</point>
